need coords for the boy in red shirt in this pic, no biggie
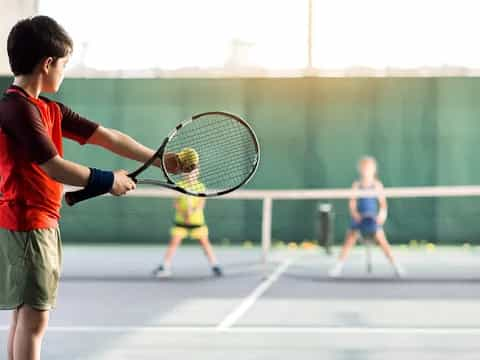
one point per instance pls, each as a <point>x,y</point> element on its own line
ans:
<point>32,171</point>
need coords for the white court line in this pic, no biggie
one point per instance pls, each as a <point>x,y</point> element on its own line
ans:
<point>246,304</point>
<point>269,330</point>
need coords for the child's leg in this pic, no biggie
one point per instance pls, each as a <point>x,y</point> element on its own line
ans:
<point>384,245</point>
<point>208,249</point>
<point>31,327</point>
<point>177,234</point>
<point>383,242</point>
<point>350,240</point>
<point>201,234</point>
<point>175,241</point>
<point>11,335</point>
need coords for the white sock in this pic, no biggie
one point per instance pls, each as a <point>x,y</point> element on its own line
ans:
<point>337,269</point>
<point>398,268</point>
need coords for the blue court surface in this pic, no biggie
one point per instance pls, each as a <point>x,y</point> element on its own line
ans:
<point>111,308</point>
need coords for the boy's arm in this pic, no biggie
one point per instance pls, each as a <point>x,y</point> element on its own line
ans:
<point>382,201</point>
<point>82,130</point>
<point>66,172</point>
<point>70,173</point>
<point>33,143</point>
<point>121,144</point>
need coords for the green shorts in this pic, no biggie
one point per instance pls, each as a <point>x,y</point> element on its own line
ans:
<point>30,264</point>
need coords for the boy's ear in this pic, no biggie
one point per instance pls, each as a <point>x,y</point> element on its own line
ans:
<point>46,64</point>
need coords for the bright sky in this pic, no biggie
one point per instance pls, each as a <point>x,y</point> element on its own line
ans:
<point>269,34</point>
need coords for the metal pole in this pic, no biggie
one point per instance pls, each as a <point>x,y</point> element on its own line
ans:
<point>266,228</point>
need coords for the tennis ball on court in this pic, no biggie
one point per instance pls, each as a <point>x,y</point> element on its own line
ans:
<point>308,245</point>
<point>279,244</point>
<point>189,159</point>
<point>247,244</point>
<point>292,245</point>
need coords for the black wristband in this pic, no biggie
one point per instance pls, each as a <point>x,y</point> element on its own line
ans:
<point>99,182</point>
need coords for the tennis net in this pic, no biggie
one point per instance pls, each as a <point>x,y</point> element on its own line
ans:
<point>440,215</point>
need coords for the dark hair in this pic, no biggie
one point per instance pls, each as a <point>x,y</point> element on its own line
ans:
<point>33,39</point>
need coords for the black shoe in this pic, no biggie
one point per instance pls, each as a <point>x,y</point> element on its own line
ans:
<point>217,271</point>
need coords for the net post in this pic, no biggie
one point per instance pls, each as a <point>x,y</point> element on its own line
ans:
<point>266,228</point>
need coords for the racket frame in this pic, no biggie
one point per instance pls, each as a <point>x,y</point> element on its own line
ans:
<point>170,184</point>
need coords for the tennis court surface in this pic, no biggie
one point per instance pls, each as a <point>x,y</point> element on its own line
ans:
<point>111,308</point>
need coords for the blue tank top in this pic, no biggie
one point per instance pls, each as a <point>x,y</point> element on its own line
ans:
<point>367,205</point>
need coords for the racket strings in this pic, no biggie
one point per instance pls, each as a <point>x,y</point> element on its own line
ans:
<point>226,151</point>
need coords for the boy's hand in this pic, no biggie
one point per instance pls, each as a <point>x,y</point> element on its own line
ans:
<point>122,183</point>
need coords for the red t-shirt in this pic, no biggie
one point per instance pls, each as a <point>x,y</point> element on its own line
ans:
<point>31,133</point>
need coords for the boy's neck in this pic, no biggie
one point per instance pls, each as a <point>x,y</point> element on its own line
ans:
<point>30,83</point>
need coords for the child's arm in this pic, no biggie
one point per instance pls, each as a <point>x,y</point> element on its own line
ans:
<point>184,213</point>
<point>352,205</point>
<point>192,209</point>
<point>382,201</point>
<point>70,173</point>
<point>200,206</point>
<point>177,207</point>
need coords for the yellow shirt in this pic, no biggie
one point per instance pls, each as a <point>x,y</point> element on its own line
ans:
<point>185,202</point>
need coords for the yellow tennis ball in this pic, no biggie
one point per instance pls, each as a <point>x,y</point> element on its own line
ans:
<point>189,159</point>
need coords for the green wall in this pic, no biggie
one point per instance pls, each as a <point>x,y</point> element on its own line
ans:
<point>423,131</point>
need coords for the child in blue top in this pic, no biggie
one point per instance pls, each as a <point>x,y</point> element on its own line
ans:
<point>368,214</point>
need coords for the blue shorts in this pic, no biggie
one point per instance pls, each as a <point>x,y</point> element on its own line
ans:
<point>367,226</point>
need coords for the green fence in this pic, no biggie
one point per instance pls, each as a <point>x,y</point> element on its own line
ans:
<point>423,131</point>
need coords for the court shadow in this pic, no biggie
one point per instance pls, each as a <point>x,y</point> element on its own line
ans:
<point>383,279</point>
<point>180,278</point>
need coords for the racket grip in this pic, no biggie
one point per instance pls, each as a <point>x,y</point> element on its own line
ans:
<point>99,183</point>
<point>73,197</point>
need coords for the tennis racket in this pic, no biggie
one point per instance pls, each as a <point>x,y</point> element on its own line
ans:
<point>207,155</point>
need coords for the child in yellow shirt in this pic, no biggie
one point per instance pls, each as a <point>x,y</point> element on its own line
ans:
<point>189,221</point>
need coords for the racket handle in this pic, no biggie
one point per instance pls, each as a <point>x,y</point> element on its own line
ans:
<point>73,197</point>
<point>99,183</point>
